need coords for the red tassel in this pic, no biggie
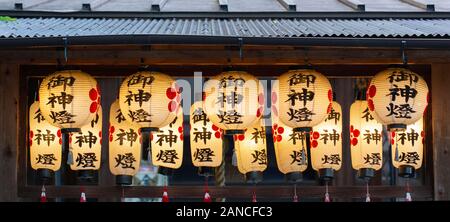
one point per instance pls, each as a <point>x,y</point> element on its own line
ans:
<point>43,195</point>
<point>254,197</point>
<point>207,198</point>
<point>295,200</point>
<point>165,197</point>
<point>327,198</point>
<point>82,197</point>
<point>408,197</point>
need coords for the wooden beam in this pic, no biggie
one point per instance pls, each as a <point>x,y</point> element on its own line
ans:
<point>157,5</point>
<point>289,5</point>
<point>354,4</point>
<point>274,191</point>
<point>223,4</point>
<point>440,83</point>
<point>420,4</point>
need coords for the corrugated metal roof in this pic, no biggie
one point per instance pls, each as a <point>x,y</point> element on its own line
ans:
<point>227,27</point>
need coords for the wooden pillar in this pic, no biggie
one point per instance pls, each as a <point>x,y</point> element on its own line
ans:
<point>9,97</point>
<point>440,82</point>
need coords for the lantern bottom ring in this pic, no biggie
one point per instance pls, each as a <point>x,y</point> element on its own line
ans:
<point>206,171</point>
<point>86,175</point>
<point>407,171</point>
<point>70,130</point>
<point>366,173</point>
<point>124,180</point>
<point>326,174</point>
<point>149,129</point>
<point>45,174</point>
<point>165,171</point>
<point>302,129</point>
<point>396,127</point>
<point>254,177</point>
<point>233,132</point>
<point>294,177</point>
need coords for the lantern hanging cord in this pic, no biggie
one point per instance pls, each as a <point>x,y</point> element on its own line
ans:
<point>65,50</point>
<point>241,44</point>
<point>404,56</point>
<point>206,184</point>
<point>37,91</point>
<point>306,59</point>
<point>367,191</point>
<point>295,193</point>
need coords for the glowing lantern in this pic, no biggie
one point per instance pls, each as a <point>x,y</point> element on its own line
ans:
<point>397,97</point>
<point>303,99</point>
<point>167,145</point>
<point>234,100</point>
<point>86,146</point>
<point>124,146</point>
<point>45,148</point>
<point>407,149</point>
<point>251,152</point>
<point>206,138</point>
<point>69,99</point>
<point>365,139</point>
<point>149,99</point>
<point>290,147</point>
<point>326,143</point>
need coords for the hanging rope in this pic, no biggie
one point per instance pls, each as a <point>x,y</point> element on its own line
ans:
<point>254,193</point>
<point>367,192</point>
<point>207,197</point>
<point>327,195</point>
<point>165,197</point>
<point>295,199</point>
<point>408,197</point>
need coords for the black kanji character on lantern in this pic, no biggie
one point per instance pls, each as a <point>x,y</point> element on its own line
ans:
<point>301,78</point>
<point>298,157</point>
<point>62,99</point>
<point>303,96</point>
<point>372,159</point>
<point>138,79</point>
<point>95,120</point>
<point>199,115</point>
<point>333,136</point>
<point>60,81</point>
<point>411,136</point>
<point>230,81</point>
<point>259,134</point>
<point>46,159</point>
<point>406,92</point>
<point>38,116</point>
<point>402,76</point>
<point>233,99</point>
<point>90,139</point>
<point>129,136</point>
<point>168,139</point>
<point>300,115</point>
<point>230,117</point>
<point>334,159</point>
<point>294,136</point>
<point>409,157</point>
<point>86,160</point>
<point>45,137</point>
<point>62,117</point>
<point>400,111</point>
<point>333,115</point>
<point>260,157</point>
<point>125,161</point>
<point>204,155</point>
<point>139,116</point>
<point>203,135</point>
<point>167,156</point>
<point>173,121</point>
<point>139,97</point>
<point>119,116</point>
<point>375,136</point>
<point>366,115</point>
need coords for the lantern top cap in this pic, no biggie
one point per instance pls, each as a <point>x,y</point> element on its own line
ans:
<point>397,66</point>
<point>301,67</point>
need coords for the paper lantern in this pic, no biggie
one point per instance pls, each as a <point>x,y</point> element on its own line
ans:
<point>326,143</point>
<point>397,97</point>
<point>167,144</point>
<point>87,145</point>
<point>303,99</point>
<point>365,139</point>
<point>124,146</point>
<point>407,148</point>
<point>206,138</point>
<point>69,99</point>
<point>290,147</point>
<point>234,100</point>
<point>149,99</point>
<point>251,152</point>
<point>44,140</point>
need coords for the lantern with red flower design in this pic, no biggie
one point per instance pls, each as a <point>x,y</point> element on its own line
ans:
<point>397,97</point>
<point>124,146</point>
<point>365,139</point>
<point>326,144</point>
